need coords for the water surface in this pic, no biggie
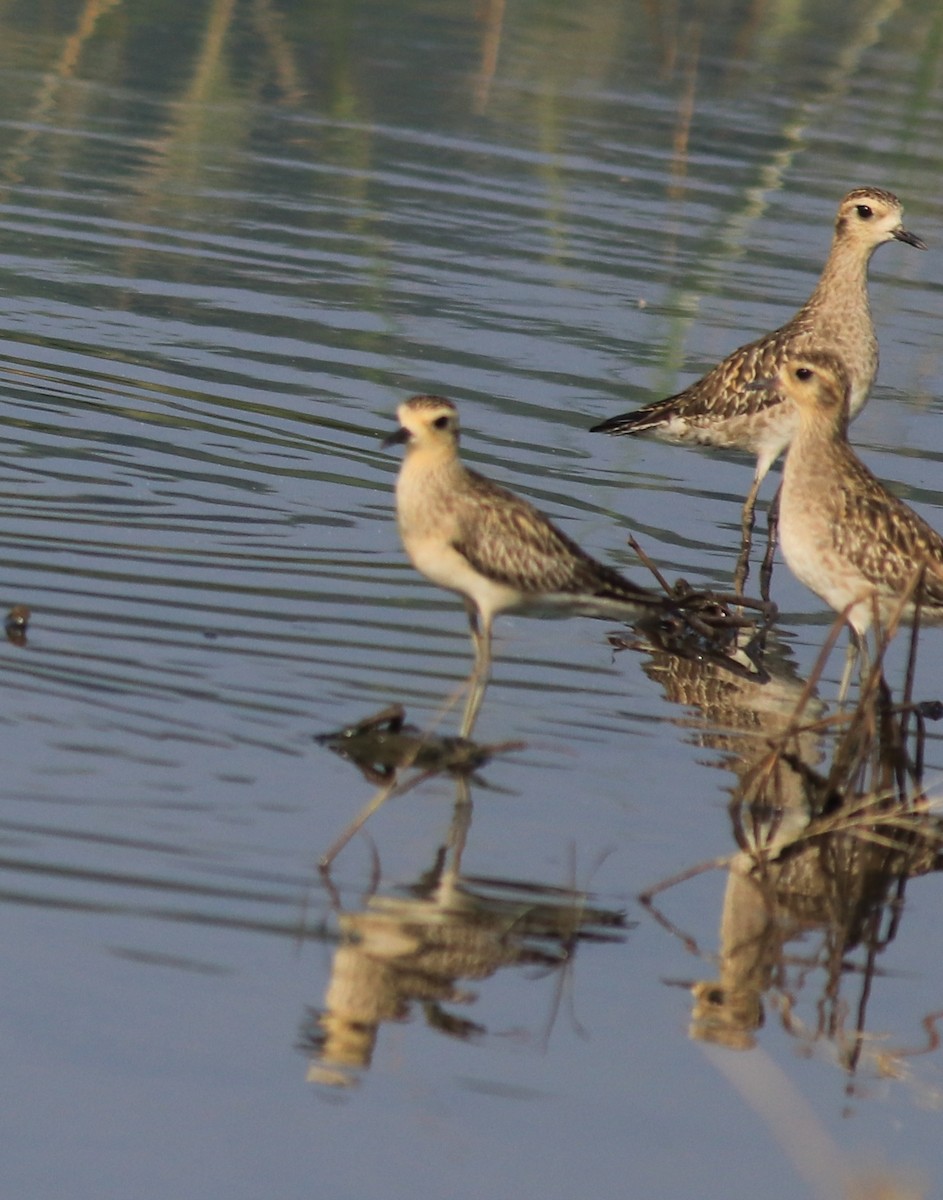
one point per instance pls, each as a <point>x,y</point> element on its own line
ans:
<point>232,238</point>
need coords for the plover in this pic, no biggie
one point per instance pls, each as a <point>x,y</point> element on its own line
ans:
<point>843,534</point>
<point>722,410</point>
<point>497,551</point>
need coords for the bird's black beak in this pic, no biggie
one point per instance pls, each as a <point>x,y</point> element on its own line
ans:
<point>904,235</point>
<point>395,439</point>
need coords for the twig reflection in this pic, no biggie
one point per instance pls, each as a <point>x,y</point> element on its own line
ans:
<point>831,820</point>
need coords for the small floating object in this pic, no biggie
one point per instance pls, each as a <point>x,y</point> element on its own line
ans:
<point>17,620</point>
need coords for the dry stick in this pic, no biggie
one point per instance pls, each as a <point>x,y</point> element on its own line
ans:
<point>644,898</point>
<point>569,939</point>
<point>764,770</point>
<point>934,1039</point>
<point>850,759</point>
<point>867,982</point>
<point>912,655</point>
<point>883,637</point>
<point>913,592</point>
<point>757,779</point>
<point>393,788</point>
<point>911,710</point>
<point>851,719</point>
<point>649,565</point>
<point>829,645</point>
<point>859,728</point>
<point>880,745</point>
<point>919,750</point>
<point>701,625</point>
<point>662,582</point>
<point>710,864</point>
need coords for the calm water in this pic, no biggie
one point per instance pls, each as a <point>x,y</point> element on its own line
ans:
<point>232,238</point>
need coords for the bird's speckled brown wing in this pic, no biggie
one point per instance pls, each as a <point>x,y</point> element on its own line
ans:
<point>724,392</point>
<point>508,540</point>
<point>897,540</point>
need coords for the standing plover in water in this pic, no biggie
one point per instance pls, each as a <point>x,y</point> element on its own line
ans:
<point>497,551</point>
<point>721,409</point>
<point>843,534</point>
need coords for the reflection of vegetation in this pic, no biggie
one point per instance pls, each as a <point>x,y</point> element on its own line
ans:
<point>198,82</point>
<point>336,59</point>
<point>824,856</point>
<point>47,101</point>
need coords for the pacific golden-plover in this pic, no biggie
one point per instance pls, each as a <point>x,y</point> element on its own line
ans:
<point>494,549</point>
<point>843,534</point>
<point>722,410</point>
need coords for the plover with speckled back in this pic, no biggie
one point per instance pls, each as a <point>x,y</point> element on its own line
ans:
<point>843,534</point>
<point>722,410</point>
<point>499,553</point>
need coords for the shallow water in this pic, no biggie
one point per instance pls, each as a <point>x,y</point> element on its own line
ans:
<point>232,239</point>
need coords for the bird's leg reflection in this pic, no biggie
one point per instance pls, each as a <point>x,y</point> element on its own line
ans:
<point>458,830</point>
<point>384,747</point>
<point>395,787</point>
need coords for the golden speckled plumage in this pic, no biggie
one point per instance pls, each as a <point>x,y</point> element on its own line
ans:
<point>842,532</point>
<point>722,410</point>
<point>494,549</point>
<point>508,540</point>
<point>479,539</point>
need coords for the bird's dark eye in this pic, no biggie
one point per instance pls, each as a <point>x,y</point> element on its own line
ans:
<point>804,373</point>
<point>864,211</point>
<point>441,422</point>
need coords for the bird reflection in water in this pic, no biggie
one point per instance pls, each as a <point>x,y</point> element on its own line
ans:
<point>737,707</point>
<point>422,946</point>
<point>830,820</point>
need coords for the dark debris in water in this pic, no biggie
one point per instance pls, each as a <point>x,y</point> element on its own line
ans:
<point>16,623</point>
<point>384,743</point>
<point>696,622</point>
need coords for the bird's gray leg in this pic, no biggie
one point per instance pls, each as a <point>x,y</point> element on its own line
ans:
<point>857,652</point>
<point>746,536</point>
<point>481,671</point>
<point>772,536</point>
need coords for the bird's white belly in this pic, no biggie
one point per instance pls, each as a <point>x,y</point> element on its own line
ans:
<point>444,566</point>
<point>810,553</point>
